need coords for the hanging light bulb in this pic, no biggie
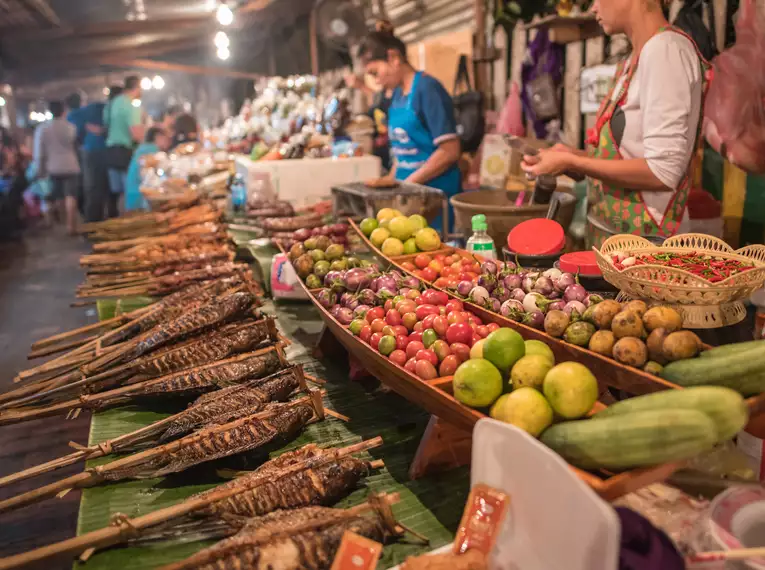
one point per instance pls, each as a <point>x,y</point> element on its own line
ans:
<point>136,102</point>
<point>158,83</point>
<point>106,91</point>
<point>225,15</point>
<point>33,116</point>
<point>48,115</point>
<point>221,40</point>
<point>146,83</point>
<point>223,53</point>
<point>2,101</point>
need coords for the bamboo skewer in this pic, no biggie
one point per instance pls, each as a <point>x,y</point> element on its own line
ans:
<point>107,324</point>
<point>53,349</point>
<point>95,476</point>
<point>122,527</point>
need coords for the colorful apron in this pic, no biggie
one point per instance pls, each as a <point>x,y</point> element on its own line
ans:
<point>412,145</point>
<point>622,210</point>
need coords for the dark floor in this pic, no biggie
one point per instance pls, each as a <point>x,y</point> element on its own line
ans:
<point>37,280</point>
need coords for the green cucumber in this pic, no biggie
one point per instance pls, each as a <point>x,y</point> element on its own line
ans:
<point>640,439</point>
<point>736,348</point>
<point>725,407</point>
<point>737,371</point>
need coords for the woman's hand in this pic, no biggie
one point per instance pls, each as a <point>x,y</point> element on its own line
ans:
<point>552,161</point>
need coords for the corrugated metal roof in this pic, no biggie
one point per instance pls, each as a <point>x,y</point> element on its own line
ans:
<point>416,20</point>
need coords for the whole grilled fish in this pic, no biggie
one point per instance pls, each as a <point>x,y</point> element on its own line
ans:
<point>302,539</point>
<point>221,441</point>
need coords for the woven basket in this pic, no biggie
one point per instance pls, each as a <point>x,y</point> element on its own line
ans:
<point>703,304</point>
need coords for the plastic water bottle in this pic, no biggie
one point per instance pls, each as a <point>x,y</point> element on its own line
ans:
<point>480,243</point>
<point>238,193</point>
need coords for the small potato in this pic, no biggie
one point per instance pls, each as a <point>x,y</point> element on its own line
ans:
<point>655,345</point>
<point>603,313</point>
<point>602,342</point>
<point>628,323</point>
<point>663,317</point>
<point>681,345</point>
<point>638,307</point>
<point>653,367</point>
<point>556,323</point>
<point>631,351</point>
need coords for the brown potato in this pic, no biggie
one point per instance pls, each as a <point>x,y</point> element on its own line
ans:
<point>663,317</point>
<point>655,345</point>
<point>603,313</point>
<point>602,342</point>
<point>638,307</point>
<point>631,351</point>
<point>628,323</point>
<point>681,345</point>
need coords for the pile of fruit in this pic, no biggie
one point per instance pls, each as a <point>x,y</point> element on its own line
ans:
<point>444,271</point>
<point>713,269</point>
<point>521,384</point>
<point>668,426</point>
<point>396,234</point>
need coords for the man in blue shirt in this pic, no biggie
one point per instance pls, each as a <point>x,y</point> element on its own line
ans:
<point>74,116</point>
<point>95,173</point>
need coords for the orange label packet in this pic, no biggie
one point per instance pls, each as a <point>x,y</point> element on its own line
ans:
<point>481,522</point>
<point>356,552</point>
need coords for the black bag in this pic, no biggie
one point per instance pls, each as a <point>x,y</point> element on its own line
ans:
<point>468,110</point>
<point>690,21</point>
<point>118,157</point>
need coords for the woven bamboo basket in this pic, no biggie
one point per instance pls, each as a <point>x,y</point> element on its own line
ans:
<point>703,304</point>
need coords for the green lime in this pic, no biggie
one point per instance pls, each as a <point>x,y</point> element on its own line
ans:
<point>368,225</point>
<point>419,222</point>
<point>477,383</point>
<point>571,389</point>
<point>525,408</point>
<point>503,348</point>
<point>530,371</point>
<point>429,337</point>
<point>539,347</point>
<point>410,246</point>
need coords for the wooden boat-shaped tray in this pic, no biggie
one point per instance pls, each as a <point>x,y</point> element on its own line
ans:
<point>435,397</point>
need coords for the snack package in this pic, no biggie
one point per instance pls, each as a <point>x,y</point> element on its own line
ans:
<point>284,280</point>
<point>481,522</point>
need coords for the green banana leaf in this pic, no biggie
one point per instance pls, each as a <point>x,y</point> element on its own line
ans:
<point>431,506</point>
<point>109,308</point>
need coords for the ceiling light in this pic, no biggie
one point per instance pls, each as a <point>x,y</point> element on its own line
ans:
<point>136,102</point>
<point>106,91</point>
<point>211,5</point>
<point>158,82</point>
<point>33,116</point>
<point>48,115</point>
<point>221,40</point>
<point>2,101</point>
<point>146,83</point>
<point>130,16</point>
<point>224,15</point>
<point>223,53</point>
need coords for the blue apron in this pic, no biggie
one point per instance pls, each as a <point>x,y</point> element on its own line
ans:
<point>412,145</point>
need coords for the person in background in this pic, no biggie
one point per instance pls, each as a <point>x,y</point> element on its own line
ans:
<point>56,157</point>
<point>122,117</point>
<point>12,184</point>
<point>168,119</point>
<point>74,104</point>
<point>185,129</point>
<point>157,140</point>
<point>95,179</point>
<point>421,124</point>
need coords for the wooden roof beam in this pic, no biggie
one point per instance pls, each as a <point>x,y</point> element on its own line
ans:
<point>42,8</point>
<point>192,69</point>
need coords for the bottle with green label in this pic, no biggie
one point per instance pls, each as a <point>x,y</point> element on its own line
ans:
<point>480,243</point>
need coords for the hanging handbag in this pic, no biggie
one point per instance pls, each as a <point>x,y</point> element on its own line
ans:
<point>543,94</point>
<point>468,110</point>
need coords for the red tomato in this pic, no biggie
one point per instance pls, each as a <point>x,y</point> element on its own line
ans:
<point>378,325</point>
<point>416,336</point>
<point>406,306</point>
<point>482,330</point>
<point>374,341</point>
<point>467,261</point>
<point>366,333</point>
<point>411,365</point>
<point>398,356</point>
<point>462,351</point>
<point>457,265</point>
<point>476,268</point>
<point>422,260</point>
<point>408,265</point>
<point>413,294</point>
<point>476,319</point>
<point>440,325</point>
<point>388,305</point>
<point>492,327</point>
<point>459,332</point>
<point>428,355</point>
<point>473,326</point>
<point>414,347</point>
<point>474,339</point>
<point>439,256</point>
<point>400,330</point>
<point>465,276</point>
<point>375,313</point>
<point>418,326</point>
<point>427,322</point>
<point>409,320</point>
<point>388,331</point>
<point>428,274</point>
<point>435,297</point>
<point>441,348</point>
<point>454,305</point>
<point>425,370</point>
<point>436,265</point>
<point>448,365</point>
<point>426,309</point>
<point>451,259</point>
<point>442,282</point>
<point>393,317</point>
<point>449,271</point>
<point>456,317</point>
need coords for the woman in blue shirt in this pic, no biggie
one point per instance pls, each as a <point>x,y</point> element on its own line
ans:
<point>157,140</point>
<point>421,125</point>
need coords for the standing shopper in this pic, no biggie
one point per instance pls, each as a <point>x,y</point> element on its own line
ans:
<point>56,157</point>
<point>157,140</point>
<point>122,118</point>
<point>647,130</point>
<point>74,105</point>
<point>95,179</point>
<point>421,125</point>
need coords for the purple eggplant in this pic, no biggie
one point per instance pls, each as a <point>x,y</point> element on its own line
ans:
<point>592,299</point>
<point>556,306</point>
<point>518,294</point>
<point>326,298</point>
<point>487,281</point>
<point>356,279</point>
<point>564,281</point>
<point>511,309</point>
<point>535,319</point>
<point>512,281</point>
<point>478,295</point>
<point>574,309</point>
<point>489,267</point>
<point>528,283</point>
<point>543,285</point>
<point>574,292</point>
<point>411,282</point>
<point>332,277</point>
<point>360,311</point>
<point>344,315</point>
<point>492,304</point>
<point>366,297</point>
<point>464,288</point>
<point>501,294</point>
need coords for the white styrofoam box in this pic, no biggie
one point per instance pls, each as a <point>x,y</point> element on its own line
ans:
<point>303,182</point>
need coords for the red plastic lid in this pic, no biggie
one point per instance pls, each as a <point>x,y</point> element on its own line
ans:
<point>539,236</point>
<point>583,262</point>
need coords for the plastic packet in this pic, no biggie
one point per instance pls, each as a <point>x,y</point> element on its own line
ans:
<point>482,519</point>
